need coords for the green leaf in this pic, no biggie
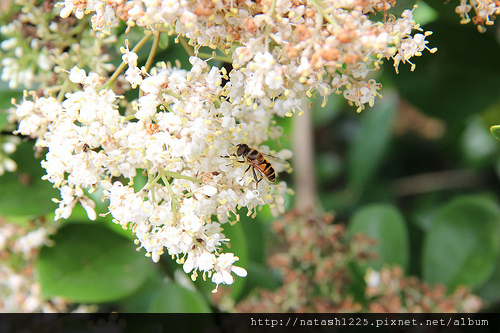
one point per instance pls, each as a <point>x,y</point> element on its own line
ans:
<point>490,291</point>
<point>446,10</point>
<point>90,263</point>
<point>239,247</point>
<point>423,14</point>
<point>164,41</point>
<point>368,149</point>
<point>6,95</point>
<point>462,244</point>
<point>495,130</point>
<point>140,300</point>
<point>256,234</point>
<point>322,115</point>
<point>386,225</point>
<point>172,297</point>
<point>175,51</point>
<point>260,276</point>
<point>328,166</point>
<point>24,193</point>
<point>3,119</point>
<point>477,144</point>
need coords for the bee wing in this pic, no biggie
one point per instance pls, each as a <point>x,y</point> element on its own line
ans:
<point>275,159</point>
<point>279,164</point>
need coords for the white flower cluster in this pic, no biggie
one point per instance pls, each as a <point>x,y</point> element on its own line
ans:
<point>283,49</point>
<point>484,10</point>
<point>18,290</point>
<point>183,130</point>
<point>182,136</point>
<point>30,57</point>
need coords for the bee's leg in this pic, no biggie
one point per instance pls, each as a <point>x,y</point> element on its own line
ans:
<point>234,161</point>
<point>247,169</point>
<point>255,176</point>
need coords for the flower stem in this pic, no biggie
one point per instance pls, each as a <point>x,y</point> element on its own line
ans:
<point>186,46</point>
<point>179,176</point>
<point>319,6</point>
<point>122,66</point>
<point>152,53</point>
<point>202,55</point>
<point>151,182</point>
<point>174,203</point>
<point>267,31</point>
<point>171,93</point>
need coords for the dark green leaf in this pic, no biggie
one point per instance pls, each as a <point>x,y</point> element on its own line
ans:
<point>175,51</point>
<point>239,247</point>
<point>260,276</point>
<point>357,283</point>
<point>446,10</point>
<point>6,95</point>
<point>477,144</point>
<point>3,119</point>
<point>24,193</point>
<point>490,291</point>
<point>371,143</point>
<point>328,166</point>
<point>90,263</point>
<point>172,297</point>
<point>424,211</point>
<point>164,41</point>
<point>325,114</point>
<point>423,14</point>
<point>491,115</point>
<point>495,130</point>
<point>256,235</point>
<point>140,301</point>
<point>462,244</point>
<point>386,225</point>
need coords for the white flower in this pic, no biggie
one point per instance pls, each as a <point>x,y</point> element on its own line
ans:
<point>134,76</point>
<point>67,9</point>
<point>372,278</point>
<point>77,75</point>
<point>223,267</point>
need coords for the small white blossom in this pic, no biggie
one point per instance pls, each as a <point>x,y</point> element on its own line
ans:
<point>77,75</point>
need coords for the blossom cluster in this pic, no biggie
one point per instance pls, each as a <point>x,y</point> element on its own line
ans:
<point>182,138</point>
<point>282,48</point>
<point>182,131</point>
<point>37,46</point>
<point>311,252</point>
<point>484,12</point>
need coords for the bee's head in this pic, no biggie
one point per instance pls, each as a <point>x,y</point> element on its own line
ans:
<point>241,149</point>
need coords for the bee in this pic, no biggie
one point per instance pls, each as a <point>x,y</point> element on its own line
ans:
<point>257,161</point>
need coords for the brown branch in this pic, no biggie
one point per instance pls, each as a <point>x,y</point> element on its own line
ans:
<point>436,181</point>
<point>306,195</point>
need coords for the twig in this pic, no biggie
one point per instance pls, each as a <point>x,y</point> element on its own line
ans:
<point>306,197</point>
<point>435,181</point>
